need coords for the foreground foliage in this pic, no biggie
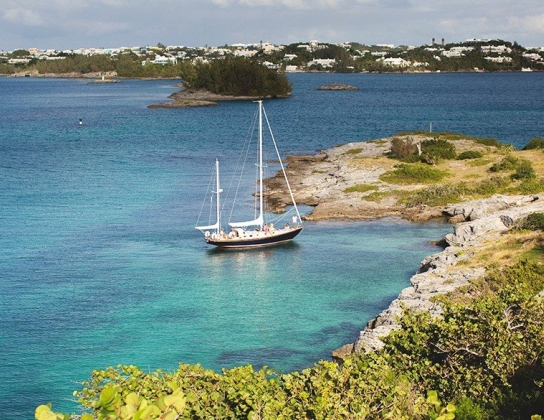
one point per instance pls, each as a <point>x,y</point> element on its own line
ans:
<point>484,356</point>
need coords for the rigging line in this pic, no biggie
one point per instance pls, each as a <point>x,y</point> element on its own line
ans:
<point>282,166</point>
<point>205,199</point>
<point>241,164</point>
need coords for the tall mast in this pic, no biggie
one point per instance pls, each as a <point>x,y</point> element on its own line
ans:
<point>261,162</point>
<point>218,193</point>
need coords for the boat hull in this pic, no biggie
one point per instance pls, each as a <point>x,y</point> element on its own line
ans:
<point>255,242</point>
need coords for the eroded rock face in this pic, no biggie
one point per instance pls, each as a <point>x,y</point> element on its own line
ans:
<point>438,273</point>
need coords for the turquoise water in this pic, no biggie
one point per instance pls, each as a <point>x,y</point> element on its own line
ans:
<point>99,260</point>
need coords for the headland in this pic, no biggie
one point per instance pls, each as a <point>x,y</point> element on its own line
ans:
<point>350,182</point>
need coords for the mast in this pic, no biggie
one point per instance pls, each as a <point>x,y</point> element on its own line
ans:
<point>261,201</point>
<point>218,195</point>
<point>217,225</point>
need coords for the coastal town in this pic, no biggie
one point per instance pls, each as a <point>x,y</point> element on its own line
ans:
<point>470,55</point>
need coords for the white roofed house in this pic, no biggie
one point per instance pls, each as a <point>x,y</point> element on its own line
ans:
<point>323,62</point>
<point>395,62</point>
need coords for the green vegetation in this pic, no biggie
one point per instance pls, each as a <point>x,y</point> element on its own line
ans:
<point>360,188</point>
<point>437,195</point>
<point>413,174</point>
<point>238,77</point>
<point>535,143</point>
<point>428,151</point>
<point>483,357</point>
<point>508,163</point>
<point>534,221</point>
<point>470,154</point>
<point>355,151</point>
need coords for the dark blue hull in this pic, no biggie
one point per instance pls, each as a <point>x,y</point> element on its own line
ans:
<point>256,242</point>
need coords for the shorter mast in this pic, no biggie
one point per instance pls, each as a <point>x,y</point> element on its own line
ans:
<point>218,191</point>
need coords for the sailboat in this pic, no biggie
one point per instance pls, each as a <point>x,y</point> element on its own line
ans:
<point>257,232</point>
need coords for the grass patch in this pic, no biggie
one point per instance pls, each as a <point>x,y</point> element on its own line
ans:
<point>377,196</point>
<point>360,188</point>
<point>405,174</point>
<point>535,255</point>
<point>355,151</point>
<point>478,162</point>
<point>436,195</point>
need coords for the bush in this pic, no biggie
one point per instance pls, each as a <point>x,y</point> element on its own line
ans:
<point>491,186</point>
<point>524,170</point>
<point>413,174</point>
<point>534,221</point>
<point>439,195</point>
<point>437,149</point>
<point>508,163</point>
<point>401,149</point>
<point>536,143</point>
<point>469,154</point>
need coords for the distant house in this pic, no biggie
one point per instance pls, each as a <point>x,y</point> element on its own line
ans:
<point>159,59</point>
<point>323,62</point>
<point>395,62</point>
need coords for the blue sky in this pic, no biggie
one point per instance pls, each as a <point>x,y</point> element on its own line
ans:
<point>68,24</point>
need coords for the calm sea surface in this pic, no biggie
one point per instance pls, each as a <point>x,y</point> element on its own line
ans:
<point>99,260</point>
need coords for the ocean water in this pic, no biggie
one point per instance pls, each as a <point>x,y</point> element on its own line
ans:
<point>99,260</point>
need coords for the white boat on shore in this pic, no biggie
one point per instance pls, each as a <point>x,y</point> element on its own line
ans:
<point>257,232</point>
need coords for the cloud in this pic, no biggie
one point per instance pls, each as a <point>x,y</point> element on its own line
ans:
<point>290,4</point>
<point>533,23</point>
<point>23,16</point>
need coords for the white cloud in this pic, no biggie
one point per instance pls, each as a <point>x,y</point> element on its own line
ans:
<point>23,16</point>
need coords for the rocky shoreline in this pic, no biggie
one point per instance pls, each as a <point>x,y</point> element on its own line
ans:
<point>486,221</point>
<point>189,98</point>
<point>321,181</point>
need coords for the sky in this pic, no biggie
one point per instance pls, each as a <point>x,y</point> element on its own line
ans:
<point>71,24</point>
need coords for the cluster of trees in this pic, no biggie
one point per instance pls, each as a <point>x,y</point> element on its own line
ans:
<point>481,359</point>
<point>238,77</point>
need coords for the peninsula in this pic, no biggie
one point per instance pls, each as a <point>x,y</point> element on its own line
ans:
<point>484,190</point>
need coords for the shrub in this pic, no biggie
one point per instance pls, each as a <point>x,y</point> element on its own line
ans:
<point>491,186</point>
<point>438,149</point>
<point>534,221</point>
<point>536,143</point>
<point>469,154</point>
<point>413,174</point>
<point>529,186</point>
<point>401,149</point>
<point>524,170</point>
<point>438,195</point>
<point>508,163</point>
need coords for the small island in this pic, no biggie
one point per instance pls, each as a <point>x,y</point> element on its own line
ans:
<point>228,80</point>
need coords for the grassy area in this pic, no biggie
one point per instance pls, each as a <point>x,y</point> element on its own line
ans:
<point>481,168</point>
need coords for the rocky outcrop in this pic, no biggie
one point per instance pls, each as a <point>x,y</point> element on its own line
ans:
<point>188,98</point>
<point>483,220</point>
<point>337,86</point>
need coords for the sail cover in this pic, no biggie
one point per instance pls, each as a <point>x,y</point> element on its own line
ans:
<point>257,222</point>
<point>209,227</point>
